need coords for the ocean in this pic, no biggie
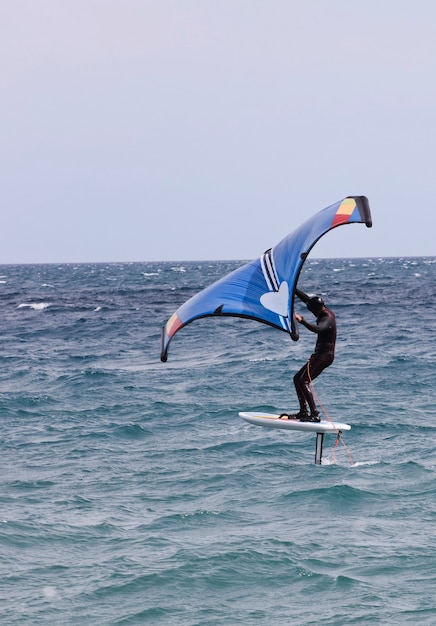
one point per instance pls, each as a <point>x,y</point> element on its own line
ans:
<point>133,493</point>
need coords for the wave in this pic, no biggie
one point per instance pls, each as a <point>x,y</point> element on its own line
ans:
<point>165,506</point>
<point>36,306</point>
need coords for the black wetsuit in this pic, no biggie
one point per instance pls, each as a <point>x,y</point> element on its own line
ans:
<point>323,356</point>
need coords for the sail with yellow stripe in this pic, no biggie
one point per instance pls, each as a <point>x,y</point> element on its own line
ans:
<point>263,289</point>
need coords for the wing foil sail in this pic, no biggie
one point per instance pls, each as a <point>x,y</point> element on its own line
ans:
<point>263,290</point>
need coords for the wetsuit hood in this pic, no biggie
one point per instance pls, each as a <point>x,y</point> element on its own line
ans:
<point>315,304</point>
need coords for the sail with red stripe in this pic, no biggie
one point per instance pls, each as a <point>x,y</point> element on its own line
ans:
<point>263,289</point>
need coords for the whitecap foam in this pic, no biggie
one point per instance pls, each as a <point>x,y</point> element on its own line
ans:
<point>36,306</point>
<point>50,593</point>
<point>361,463</point>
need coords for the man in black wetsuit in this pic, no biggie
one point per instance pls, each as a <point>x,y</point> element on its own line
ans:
<point>323,356</point>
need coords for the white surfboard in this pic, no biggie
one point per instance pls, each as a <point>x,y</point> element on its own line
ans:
<point>269,420</point>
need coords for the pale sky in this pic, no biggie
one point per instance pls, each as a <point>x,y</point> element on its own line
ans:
<point>154,130</point>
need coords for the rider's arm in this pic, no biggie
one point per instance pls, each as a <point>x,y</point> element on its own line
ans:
<point>300,294</point>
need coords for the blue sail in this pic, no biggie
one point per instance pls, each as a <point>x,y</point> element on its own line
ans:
<point>263,289</point>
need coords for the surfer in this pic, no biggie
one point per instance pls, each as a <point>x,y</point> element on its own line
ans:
<point>322,357</point>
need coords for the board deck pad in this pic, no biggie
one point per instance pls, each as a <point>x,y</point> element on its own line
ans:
<point>271,420</point>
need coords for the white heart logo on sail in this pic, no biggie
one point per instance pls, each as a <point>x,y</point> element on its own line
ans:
<point>277,301</point>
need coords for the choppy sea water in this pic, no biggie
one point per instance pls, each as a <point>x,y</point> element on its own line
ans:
<point>132,493</point>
